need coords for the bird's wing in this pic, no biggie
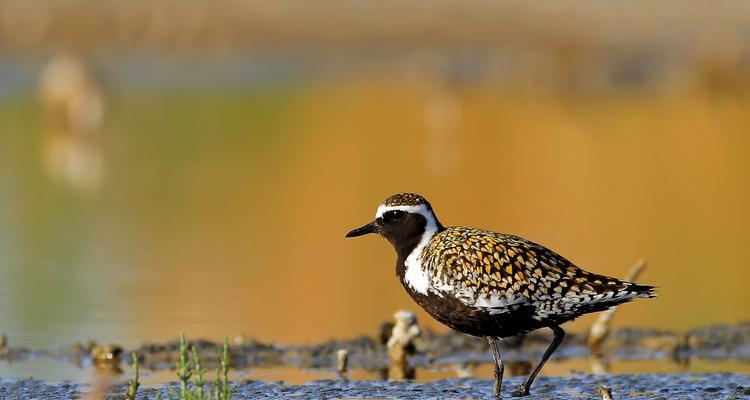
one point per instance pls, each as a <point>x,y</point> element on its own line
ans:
<point>499,272</point>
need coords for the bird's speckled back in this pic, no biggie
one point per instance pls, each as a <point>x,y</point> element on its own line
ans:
<point>500,272</point>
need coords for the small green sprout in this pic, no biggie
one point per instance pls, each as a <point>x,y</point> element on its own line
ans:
<point>186,369</point>
<point>226,389</point>
<point>198,372</point>
<point>133,384</point>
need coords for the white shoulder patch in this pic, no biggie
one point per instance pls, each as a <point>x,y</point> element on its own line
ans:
<point>416,276</point>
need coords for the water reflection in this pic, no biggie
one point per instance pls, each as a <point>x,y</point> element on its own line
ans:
<point>223,210</point>
<point>74,106</point>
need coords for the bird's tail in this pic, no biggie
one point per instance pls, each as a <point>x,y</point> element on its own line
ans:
<point>637,290</point>
<point>618,292</point>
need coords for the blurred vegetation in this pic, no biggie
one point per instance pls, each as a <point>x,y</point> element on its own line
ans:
<point>577,45</point>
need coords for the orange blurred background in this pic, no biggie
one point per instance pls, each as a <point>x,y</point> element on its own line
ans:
<point>169,167</point>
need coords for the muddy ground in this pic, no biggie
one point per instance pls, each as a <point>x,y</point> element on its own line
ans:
<point>580,386</point>
<point>719,342</point>
<point>370,353</point>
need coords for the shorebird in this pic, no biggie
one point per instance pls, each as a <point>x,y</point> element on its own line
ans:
<point>488,284</point>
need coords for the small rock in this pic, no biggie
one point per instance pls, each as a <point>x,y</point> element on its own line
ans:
<point>605,392</point>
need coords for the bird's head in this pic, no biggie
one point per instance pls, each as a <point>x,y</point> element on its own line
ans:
<point>403,219</point>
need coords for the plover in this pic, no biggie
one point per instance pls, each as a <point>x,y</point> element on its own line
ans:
<point>487,284</point>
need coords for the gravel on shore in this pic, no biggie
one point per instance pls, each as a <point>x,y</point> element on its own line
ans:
<point>577,386</point>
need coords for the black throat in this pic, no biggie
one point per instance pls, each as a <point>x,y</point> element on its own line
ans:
<point>407,237</point>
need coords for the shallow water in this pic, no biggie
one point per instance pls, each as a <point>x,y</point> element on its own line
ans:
<point>208,182</point>
<point>716,348</point>
<point>213,186</point>
<point>61,368</point>
<point>211,208</point>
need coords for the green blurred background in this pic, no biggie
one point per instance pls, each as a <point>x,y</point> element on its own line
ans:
<point>172,166</point>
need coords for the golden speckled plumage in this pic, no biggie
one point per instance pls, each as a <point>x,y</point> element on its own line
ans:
<point>404,199</point>
<point>478,266</point>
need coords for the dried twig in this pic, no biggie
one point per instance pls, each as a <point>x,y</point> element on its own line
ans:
<point>401,344</point>
<point>601,328</point>
<point>4,349</point>
<point>342,362</point>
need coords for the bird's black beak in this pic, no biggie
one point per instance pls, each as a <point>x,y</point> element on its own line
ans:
<point>372,227</point>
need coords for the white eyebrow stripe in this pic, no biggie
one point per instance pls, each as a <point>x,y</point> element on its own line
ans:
<point>418,209</point>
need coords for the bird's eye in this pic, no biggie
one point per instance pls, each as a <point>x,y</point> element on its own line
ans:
<point>393,215</point>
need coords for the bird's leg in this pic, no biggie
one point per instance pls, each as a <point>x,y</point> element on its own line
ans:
<point>495,348</point>
<point>559,333</point>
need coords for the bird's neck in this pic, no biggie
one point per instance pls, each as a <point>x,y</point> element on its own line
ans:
<point>410,251</point>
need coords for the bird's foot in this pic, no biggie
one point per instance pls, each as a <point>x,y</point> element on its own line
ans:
<point>521,391</point>
<point>497,390</point>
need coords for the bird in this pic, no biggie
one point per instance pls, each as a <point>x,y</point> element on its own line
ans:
<point>488,284</point>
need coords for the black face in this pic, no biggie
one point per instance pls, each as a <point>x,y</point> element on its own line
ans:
<point>402,229</point>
